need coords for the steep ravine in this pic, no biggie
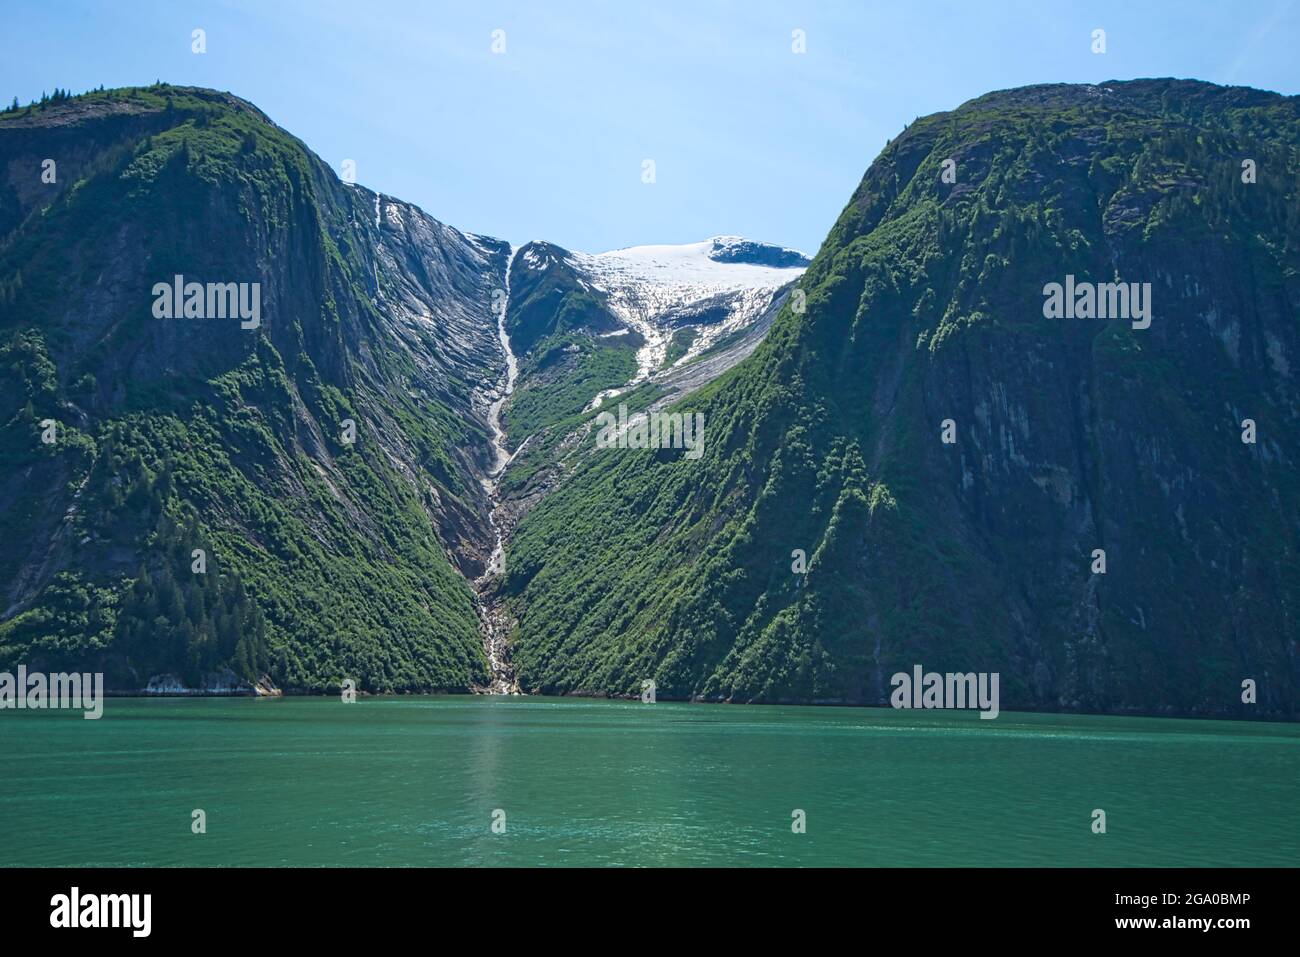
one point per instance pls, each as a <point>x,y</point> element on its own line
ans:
<point>493,616</point>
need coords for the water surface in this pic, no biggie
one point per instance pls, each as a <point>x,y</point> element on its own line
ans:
<point>416,781</point>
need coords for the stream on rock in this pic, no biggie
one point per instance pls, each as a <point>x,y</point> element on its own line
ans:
<point>493,616</point>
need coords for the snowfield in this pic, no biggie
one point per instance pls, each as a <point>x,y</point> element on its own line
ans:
<point>650,287</point>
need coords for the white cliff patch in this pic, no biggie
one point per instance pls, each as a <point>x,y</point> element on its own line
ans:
<point>1277,355</point>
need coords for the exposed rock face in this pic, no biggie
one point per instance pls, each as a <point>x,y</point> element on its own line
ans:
<point>733,249</point>
<point>221,683</point>
<point>926,304</point>
<point>436,299</point>
<point>327,457</point>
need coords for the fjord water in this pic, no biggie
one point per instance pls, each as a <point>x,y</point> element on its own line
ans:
<point>416,781</point>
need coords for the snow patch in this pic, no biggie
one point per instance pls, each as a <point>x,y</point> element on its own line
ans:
<point>643,284</point>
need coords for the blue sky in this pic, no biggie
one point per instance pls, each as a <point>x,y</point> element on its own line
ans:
<point>547,140</point>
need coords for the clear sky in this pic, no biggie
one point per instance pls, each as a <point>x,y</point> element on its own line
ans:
<point>547,140</point>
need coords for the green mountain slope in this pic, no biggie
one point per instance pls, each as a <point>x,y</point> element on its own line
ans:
<point>560,330</point>
<point>926,303</point>
<point>324,558</point>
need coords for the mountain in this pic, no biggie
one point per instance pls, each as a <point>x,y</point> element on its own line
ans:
<point>645,324</point>
<point>924,318</point>
<point>262,426</point>
<point>596,324</point>
<point>326,455</point>
<point>254,418</point>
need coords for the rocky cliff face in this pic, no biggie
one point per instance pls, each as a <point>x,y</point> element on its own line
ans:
<point>311,453</point>
<point>947,460</point>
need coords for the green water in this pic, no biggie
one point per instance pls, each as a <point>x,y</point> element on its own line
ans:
<point>415,781</point>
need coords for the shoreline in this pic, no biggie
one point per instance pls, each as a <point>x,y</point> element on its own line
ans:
<point>1265,717</point>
